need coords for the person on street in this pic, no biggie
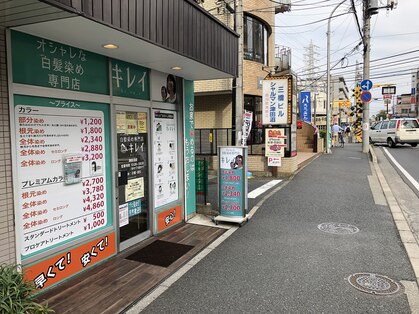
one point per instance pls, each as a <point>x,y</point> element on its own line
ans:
<point>348,133</point>
<point>335,131</point>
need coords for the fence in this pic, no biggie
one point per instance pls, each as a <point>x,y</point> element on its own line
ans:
<point>207,141</point>
<point>201,181</point>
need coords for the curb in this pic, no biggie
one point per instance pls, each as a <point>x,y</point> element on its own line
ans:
<point>372,154</point>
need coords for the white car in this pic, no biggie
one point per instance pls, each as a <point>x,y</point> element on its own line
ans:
<point>396,131</point>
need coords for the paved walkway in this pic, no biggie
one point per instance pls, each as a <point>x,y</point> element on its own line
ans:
<point>281,262</point>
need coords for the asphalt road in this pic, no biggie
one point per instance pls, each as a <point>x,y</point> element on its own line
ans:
<point>280,262</point>
<point>408,158</point>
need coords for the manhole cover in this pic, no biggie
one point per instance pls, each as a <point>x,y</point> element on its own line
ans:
<point>374,284</point>
<point>338,228</point>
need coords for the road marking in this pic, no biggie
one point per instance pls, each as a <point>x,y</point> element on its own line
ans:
<point>405,173</point>
<point>260,190</point>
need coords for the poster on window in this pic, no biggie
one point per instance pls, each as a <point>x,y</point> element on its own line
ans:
<point>63,187</point>
<point>166,188</point>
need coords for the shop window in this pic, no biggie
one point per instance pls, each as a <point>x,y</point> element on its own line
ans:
<point>255,40</point>
<point>254,104</point>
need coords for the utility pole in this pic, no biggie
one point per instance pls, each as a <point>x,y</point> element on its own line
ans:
<point>239,80</point>
<point>327,146</point>
<point>367,51</point>
<point>370,7</point>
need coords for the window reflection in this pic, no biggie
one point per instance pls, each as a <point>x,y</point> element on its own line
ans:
<point>255,40</point>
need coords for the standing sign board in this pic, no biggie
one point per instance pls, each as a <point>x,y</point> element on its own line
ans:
<point>232,183</point>
<point>277,101</point>
<point>275,142</point>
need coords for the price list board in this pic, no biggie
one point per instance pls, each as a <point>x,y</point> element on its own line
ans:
<point>232,182</point>
<point>64,180</point>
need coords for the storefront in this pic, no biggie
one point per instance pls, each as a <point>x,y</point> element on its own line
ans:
<point>102,147</point>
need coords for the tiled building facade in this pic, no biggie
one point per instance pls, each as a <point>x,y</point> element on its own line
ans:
<point>7,230</point>
<point>213,99</point>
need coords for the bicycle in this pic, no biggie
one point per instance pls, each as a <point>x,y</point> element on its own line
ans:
<point>341,140</point>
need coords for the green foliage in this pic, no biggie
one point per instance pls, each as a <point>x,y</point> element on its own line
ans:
<point>15,293</point>
<point>322,133</point>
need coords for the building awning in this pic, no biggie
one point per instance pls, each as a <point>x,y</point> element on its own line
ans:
<point>156,34</point>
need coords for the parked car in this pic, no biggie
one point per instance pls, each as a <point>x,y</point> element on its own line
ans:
<point>396,131</point>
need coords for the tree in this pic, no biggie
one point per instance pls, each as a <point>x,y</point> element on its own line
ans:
<point>382,115</point>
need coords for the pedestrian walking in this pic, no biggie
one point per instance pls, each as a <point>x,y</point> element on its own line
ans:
<point>335,132</point>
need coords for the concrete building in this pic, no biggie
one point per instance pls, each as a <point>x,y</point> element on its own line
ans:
<point>404,107</point>
<point>97,125</point>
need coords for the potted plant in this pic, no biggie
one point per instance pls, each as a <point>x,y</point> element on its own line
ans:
<point>16,293</point>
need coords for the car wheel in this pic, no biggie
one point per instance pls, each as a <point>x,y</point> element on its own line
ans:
<point>371,142</point>
<point>414,145</point>
<point>390,143</point>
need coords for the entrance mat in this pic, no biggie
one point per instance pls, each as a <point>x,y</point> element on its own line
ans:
<point>160,253</point>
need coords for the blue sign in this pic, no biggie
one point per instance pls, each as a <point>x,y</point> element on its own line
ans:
<point>305,106</point>
<point>366,85</point>
<point>366,96</point>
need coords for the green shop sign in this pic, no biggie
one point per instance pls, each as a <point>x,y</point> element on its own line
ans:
<point>130,80</point>
<point>42,62</point>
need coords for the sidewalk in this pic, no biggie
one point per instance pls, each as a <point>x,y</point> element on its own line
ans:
<point>115,284</point>
<point>281,262</point>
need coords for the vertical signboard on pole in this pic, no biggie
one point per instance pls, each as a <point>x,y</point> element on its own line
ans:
<point>305,106</point>
<point>232,183</point>
<point>247,126</point>
<point>277,101</point>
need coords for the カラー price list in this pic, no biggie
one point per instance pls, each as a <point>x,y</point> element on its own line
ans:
<point>61,173</point>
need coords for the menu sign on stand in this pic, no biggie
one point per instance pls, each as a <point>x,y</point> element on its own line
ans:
<point>232,184</point>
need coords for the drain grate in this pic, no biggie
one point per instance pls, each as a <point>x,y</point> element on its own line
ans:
<point>338,228</point>
<point>374,284</point>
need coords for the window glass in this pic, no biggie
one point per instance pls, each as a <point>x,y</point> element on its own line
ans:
<point>248,38</point>
<point>409,124</point>
<point>377,126</point>
<point>265,47</point>
<point>255,40</point>
<point>392,124</point>
<point>384,125</point>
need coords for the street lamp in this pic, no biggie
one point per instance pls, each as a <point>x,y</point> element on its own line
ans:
<point>328,81</point>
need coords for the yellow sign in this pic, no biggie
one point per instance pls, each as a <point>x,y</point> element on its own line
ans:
<point>142,122</point>
<point>346,103</point>
<point>210,137</point>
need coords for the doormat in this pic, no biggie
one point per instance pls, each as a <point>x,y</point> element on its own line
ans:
<point>160,253</point>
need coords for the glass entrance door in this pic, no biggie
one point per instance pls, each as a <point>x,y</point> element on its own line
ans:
<point>133,175</point>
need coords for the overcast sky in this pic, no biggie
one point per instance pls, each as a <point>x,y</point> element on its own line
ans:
<point>393,32</point>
